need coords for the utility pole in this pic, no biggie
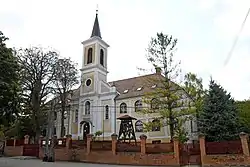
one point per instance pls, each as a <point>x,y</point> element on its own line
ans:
<point>48,131</point>
<point>52,136</point>
<point>69,118</point>
<point>49,148</point>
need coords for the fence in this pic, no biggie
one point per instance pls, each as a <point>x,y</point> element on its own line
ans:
<point>115,152</point>
<point>80,144</point>
<point>142,153</point>
<point>159,148</point>
<point>16,142</point>
<point>224,147</point>
<point>225,153</point>
<point>101,145</point>
<point>128,147</point>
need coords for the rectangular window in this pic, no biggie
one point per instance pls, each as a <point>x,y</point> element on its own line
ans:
<point>76,115</point>
<point>193,126</point>
<point>106,112</point>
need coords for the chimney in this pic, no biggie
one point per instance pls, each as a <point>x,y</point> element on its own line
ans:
<point>158,70</point>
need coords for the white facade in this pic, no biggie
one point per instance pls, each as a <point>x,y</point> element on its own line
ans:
<point>98,104</point>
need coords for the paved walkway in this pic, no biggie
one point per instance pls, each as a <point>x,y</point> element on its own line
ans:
<point>22,162</point>
<point>31,162</point>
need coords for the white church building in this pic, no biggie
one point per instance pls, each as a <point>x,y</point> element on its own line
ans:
<point>97,103</point>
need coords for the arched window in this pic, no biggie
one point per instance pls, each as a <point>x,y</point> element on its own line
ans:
<point>156,125</point>
<point>106,112</point>
<point>123,108</point>
<point>102,57</point>
<point>154,104</point>
<point>89,58</point>
<point>87,108</point>
<point>138,105</point>
<point>139,126</point>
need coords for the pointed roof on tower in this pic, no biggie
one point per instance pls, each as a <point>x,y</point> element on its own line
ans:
<point>96,28</point>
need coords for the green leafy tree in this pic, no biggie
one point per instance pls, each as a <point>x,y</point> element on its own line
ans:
<point>169,99</point>
<point>218,121</point>
<point>244,114</point>
<point>194,88</point>
<point>37,73</point>
<point>64,79</point>
<point>9,84</point>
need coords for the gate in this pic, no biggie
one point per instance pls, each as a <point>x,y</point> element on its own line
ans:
<point>2,144</point>
<point>190,154</point>
<point>31,150</point>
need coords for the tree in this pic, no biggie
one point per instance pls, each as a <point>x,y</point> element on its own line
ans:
<point>218,121</point>
<point>243,108</point>
<point>64,80</point>
<point>168,98</point>
<point>20,128</point>
<point>9,84</point>
<point>194,88</point>
<point>37,73</point>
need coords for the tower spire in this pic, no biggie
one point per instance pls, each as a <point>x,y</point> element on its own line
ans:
<point>96,28</point>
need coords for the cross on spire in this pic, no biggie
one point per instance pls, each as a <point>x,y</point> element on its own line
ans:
<point>96,28</point>
<point>96,9</point>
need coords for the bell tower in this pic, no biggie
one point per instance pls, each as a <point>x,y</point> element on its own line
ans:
<point>95,91</point>
<point>94,64</point>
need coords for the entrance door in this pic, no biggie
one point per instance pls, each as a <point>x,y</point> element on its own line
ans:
<point>190,154</point>
<point>86,130</point>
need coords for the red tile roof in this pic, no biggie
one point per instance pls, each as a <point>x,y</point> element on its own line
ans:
<point>144,83</point>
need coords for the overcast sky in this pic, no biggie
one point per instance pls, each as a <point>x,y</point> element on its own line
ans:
<point>205,30</point>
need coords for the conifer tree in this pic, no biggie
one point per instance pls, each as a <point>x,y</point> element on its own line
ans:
<point>218,121</point>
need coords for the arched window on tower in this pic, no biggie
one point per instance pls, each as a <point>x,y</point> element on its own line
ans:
<point>87,108</point>
<point>90,55</point>
<point>102,57</point>
<point>106,112</point>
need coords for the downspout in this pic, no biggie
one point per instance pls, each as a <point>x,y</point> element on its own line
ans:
<point>115,112</point>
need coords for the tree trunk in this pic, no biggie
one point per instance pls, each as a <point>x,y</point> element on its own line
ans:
<point>37,127</point>
<point>171,129</point>
<point>63,105</point>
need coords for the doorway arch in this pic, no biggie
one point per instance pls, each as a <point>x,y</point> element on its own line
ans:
<point>85,129</point>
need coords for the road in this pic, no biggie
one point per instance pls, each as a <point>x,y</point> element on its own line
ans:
<point>10,162</point>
